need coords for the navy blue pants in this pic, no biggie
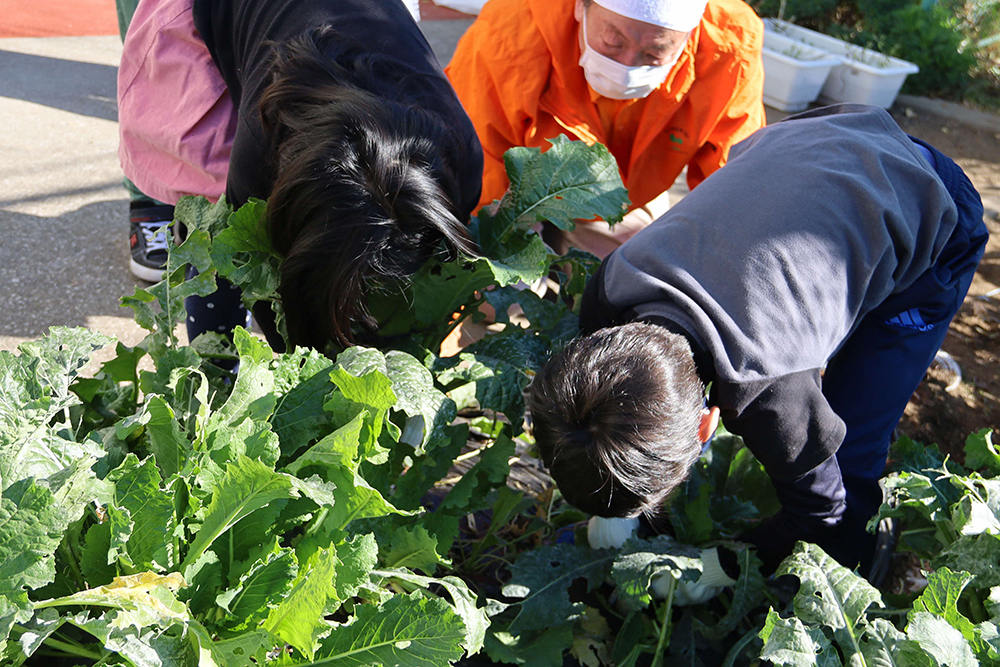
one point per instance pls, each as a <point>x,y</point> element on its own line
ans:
<point>872,377</point>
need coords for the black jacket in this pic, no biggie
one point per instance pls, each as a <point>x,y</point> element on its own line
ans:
<point>239,34</point>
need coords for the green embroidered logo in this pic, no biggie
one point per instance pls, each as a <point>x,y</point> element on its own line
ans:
<point>675,139</point>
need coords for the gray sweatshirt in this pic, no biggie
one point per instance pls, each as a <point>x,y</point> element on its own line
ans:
<point>771,263</point>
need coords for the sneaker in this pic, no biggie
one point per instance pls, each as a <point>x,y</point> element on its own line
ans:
<point>148,228</point>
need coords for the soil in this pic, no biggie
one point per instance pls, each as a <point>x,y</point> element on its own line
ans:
<point>944,411</point>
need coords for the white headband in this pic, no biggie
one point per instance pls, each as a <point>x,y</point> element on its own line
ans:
<point>679,15</point>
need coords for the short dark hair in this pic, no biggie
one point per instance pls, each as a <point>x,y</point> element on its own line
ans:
<point>615,416</point>
<point>366,186</point>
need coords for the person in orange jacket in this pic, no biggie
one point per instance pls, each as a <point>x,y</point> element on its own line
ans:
<point>663,84</point>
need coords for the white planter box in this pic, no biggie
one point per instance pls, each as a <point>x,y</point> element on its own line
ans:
<point>864,76</point>
<point>794,73</point>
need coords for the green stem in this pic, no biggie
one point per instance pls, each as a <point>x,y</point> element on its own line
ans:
<point>103,660</point>
<point>665,624</point>
<point>915,531</point>
<point>72,649</point>
<point>739,647</point>
<point>886,611</point>
<point>316,521</point>
<point>74,567</point>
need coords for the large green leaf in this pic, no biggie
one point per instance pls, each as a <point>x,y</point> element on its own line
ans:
<point>541,578</point>
<point>30,636</point>
<point>883,646</point>
<point>980,452</point>
<point>789,642</point>
<point>61,355</point>
<point>138,490</point>
<point>360,374</point>
<point>463,600</point>
<point>253,394</point>
<point>199,214</point>
<point>268,581</point>
<point>40,451</point>
<point>358,557</point>
<point>251,438</point>
<point>242,253</point>
<point>336,458</point>
<point>940,597</point>
<point>302,382</point>
<point>418,398</point>
<point>524,261</point>
<point>242,649</point>
<point>978,510</point>
<point>410,631</point>
<point>146,624</point>
<point>247,486</point>
<point>34,388</point>
<point>31,526</point>
<point>498,367</point>
<point>975,554</point>
<point>939,639</point>
<point>413,548</point>
<point>298,619</point>
<point>830,594</point>
<point>569,181</point>
<point>438,291</point>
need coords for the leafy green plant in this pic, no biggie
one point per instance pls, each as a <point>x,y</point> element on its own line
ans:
<point>354,508</point>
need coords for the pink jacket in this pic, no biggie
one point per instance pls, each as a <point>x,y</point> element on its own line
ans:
<point>176,120</point>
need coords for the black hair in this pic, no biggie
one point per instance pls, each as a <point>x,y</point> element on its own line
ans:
<point>366,186</point>
<point>615,416</point>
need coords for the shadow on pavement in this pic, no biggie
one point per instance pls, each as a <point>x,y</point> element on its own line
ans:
<point>82,88</point>
<point>64,270</point>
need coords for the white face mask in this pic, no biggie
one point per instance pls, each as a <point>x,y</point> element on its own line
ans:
<point>612,79</point>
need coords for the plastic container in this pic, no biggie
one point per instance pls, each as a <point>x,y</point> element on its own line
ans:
<point>794,73</point>
<point>863,76</point>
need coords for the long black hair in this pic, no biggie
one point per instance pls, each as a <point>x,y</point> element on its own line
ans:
<point>366,185</point>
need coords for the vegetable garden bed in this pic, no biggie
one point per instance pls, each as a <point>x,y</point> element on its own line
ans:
<point>359,509</point>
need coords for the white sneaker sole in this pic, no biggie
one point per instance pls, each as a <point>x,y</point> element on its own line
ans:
<point>146,273</point>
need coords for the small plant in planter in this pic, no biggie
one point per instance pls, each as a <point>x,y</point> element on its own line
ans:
<point>794,72</point>
<point>863,76</point>
<point>860,54</point>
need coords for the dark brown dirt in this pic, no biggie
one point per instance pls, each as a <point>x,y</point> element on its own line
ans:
<point>937,414</point>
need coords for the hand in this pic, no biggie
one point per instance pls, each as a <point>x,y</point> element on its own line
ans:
<point>711,582</point>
